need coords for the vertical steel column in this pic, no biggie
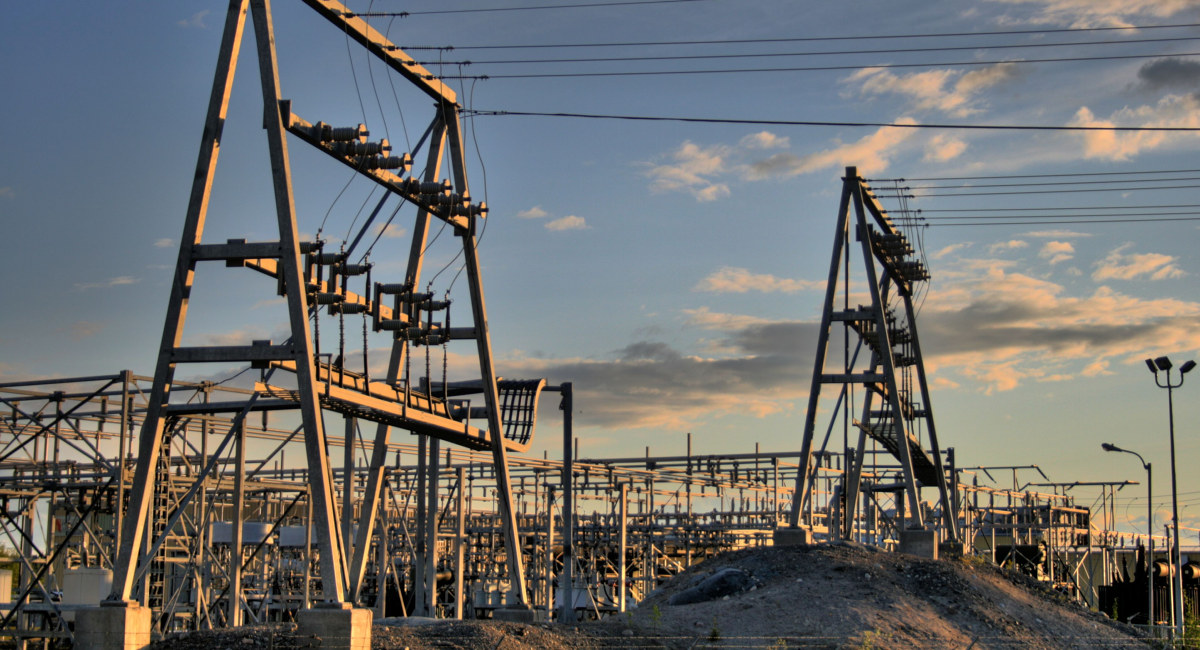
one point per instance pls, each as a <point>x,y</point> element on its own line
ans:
<point>622,546</point>
<point>460,538</point>
<point>421,544</point>
<point>566,582</point>
<point>234,606</point>
<point>491,394</point>
<point>431,528</point>
<point>348,486</point>
<point>549,585</point>
<point>125,425</point>
<point>806,472</point>
<point>320,475</point>
<point>133,526</point>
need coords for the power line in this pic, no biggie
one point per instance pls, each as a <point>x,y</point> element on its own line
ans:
<point>995,176</point>
<point>1047,223</point>
<point>1017,192</point>
<point>587,5</point>
<point>1082,208</point>
<point>808,39</point>
<point>823,68</point>
<point>761,55</point>
<point>1049,218</point>
<point>1029,184</point>
<point>899,125</point>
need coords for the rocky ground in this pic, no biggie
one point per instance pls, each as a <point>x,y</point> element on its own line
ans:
<point>826,596</point>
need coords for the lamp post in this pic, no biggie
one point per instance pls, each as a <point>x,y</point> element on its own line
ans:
<point>1149,530</point>
<point>1164,364</point>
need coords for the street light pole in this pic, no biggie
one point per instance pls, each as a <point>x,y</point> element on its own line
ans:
<point>1164,364</point>
<point>1150,620</point>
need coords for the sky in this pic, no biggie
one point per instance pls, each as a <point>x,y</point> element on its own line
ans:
<point>672,270</point>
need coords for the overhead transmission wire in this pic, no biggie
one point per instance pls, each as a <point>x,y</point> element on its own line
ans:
<point>1051,208</point>
<point>898,125</point>
<point>1043,215</point>
<point>802,39</point>
<point>950,222</point>
<point>1122,188</point>
<point>483,173</point>
<point>1028,184</point>
<point>375,89</point>
<point>829,68</point>
<point>363,111</point>
<point>767,55</point>
<point>1059,175</point>
<point>586,5</point>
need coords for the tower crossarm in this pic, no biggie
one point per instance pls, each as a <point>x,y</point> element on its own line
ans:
<point>436,198</point>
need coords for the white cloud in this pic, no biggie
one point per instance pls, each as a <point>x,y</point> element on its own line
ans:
<point>1100,13</point>
<point>391,231</point>
<point>114,282</point>
<point>707,319</point>
<point>85,329</point>
<point>949,91</point>
<point>737,280</point>
<point>536,212</point>
<point>1057,251</point>
<point>942,147</point>
<point>1119,266</point>
<point>1096,369</point>
<point>569,222</point>
<point>691,171</point>
<point>948,250</point>
<point>1056,234</point>
<point>1010,245</point>
<point>165,242</point>
<point>764,140</point>
<point>1170,111</point>
<point>871,153</point>
<point>241,336</point>
<point>195,20</point>
<point>1000,328</point>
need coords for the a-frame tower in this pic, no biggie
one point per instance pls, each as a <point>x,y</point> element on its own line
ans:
<point>312,280</point>
<point>883,356</point>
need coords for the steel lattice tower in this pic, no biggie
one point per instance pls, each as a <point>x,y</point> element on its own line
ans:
<point>896,406</point>
<point>311,280</point>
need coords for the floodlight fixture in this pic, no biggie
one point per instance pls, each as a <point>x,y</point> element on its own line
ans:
<point>1150,364</point>
<point>1187,367</point>
<point>1163,363</point>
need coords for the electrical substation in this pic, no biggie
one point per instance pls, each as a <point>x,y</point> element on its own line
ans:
<point>314,489</point>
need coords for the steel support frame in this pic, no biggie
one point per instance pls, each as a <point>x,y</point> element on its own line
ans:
<point>341,581</point>
<point>880,280</point>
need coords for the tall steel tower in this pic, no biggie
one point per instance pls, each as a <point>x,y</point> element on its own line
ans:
<point>883,356</point>
<point>297,375</point>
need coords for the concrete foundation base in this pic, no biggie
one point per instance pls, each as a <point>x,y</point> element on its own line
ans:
<point>113,627</point>
<point>515,614</point>
<point>921,543</point>
<point>331,628</point>
<point>952,550</point>
<point>793,536</point>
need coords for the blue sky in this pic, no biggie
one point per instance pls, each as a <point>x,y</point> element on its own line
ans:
<point>673,271</point>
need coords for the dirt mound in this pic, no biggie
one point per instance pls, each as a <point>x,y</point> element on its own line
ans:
<point>850,595</point>
<point>825,596</point>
